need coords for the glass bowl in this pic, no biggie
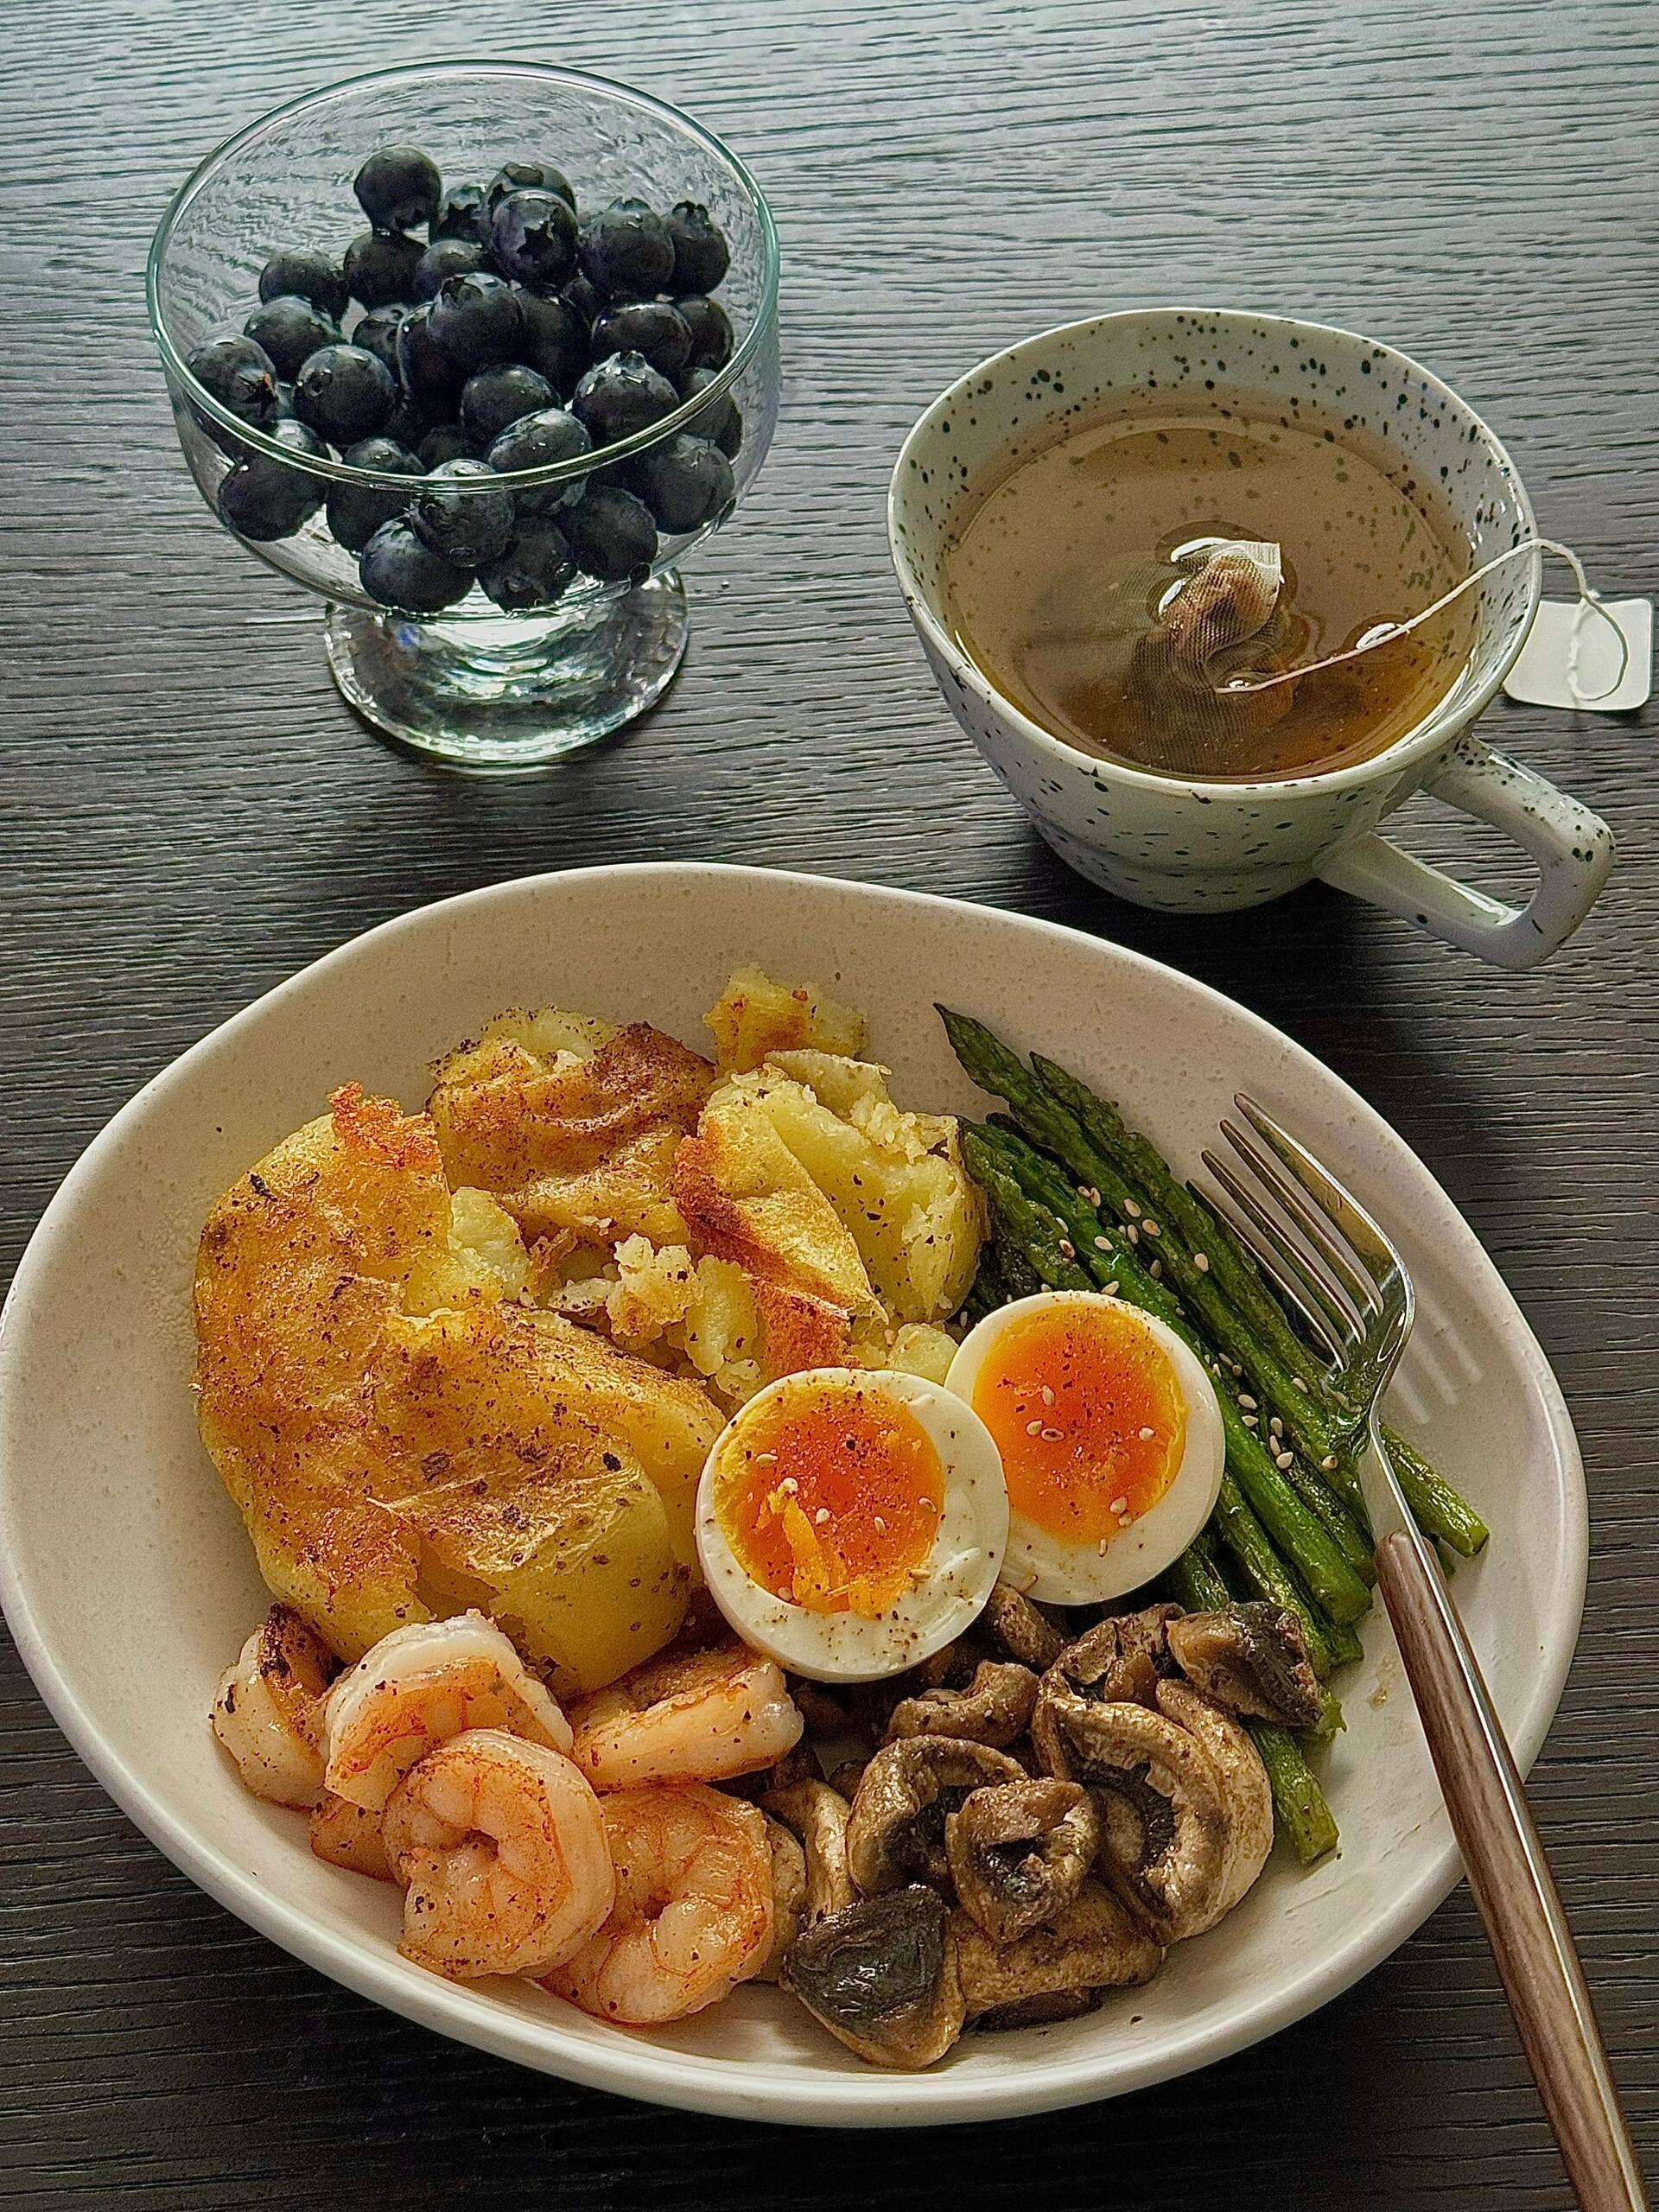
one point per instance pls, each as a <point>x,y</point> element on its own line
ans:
<point>473,684</point>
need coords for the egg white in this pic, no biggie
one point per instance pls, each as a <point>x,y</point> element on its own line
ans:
<point>960,1568</point>
<point>1044,1566</point>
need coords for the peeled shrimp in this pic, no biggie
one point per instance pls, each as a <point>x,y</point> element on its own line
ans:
<point>698,1716</point>
<point>501,1847</point>
<point>422,1685</point>
<point>349,1835</point>
<point>694,1906</point>
<point>268,1713</point>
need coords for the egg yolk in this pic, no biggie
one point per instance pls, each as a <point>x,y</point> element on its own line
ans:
<point>1089,1415</point>
<point>830,1497</point>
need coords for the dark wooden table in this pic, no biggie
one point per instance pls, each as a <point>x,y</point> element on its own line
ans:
<point>191,814</point>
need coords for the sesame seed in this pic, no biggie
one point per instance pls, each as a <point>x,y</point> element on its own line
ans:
<point>1118,1505</point>
<point>821,1515</point>
<point>929,1505</point>
<point>1247,1402</point>
<point>1124,1520</point>
<point>1052,1436</point>
<point>765,1458</point>
<point>1284,1459</point>
<point>1201,1262</point>
<point>881,1526</point>
<point>1151,1228</point>
<point>1156,1271</point>
<point>1297,1384</point>
<point>1090,1192</point>
<point>1110,1290</point>
<point>1131,1209</point>
<point>1250,1420</point>
<point>1048,1396</point>
<point>1133,1234</point>
<point>1329,1462</point>
<point>1034,1428</point>
<point>1101,1546</point>
<point>1068,1247</point>
<point>1103,1243</point>
<point>790,1487</point>
<point>1146,1435</point>
<point>1276,1425</point>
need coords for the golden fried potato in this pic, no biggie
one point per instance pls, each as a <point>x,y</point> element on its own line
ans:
<point>404,1439</point>
<point>755,1016</point>
<point>570,1123</point>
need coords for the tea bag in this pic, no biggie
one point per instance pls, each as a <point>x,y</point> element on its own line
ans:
<point>1225,614</point>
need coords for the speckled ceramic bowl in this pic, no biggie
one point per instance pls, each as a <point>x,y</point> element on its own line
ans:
<point>1186,844</point>
<point>129,1581</point>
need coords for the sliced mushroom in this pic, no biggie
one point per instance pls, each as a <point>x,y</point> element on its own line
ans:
<point>1098,1943</point>
<point>882,1976</point>
<point>896,1834</point>
<point>1164,1812</point>
<point>1020,1853</point>
<point>1245,1784</point>
<point>996,1707</point>
<point>1022,1627</point>
<point>1040,2011</point>
<point>1120,1660</point>
<point>817,1815</point>
<point>788,1896</point>
<point>1251,1659</point>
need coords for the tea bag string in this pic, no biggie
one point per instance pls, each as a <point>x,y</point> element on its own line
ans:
<point>1386,633</point>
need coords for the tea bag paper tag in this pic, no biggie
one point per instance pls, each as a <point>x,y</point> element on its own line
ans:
<point>1550,674</point>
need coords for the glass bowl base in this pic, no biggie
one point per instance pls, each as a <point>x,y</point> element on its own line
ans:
<point>507,697</point>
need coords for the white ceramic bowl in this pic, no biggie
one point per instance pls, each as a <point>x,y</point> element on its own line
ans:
<point>129,1582</point>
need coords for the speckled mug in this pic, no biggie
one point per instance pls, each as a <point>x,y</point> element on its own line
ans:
<point>1192,846</point>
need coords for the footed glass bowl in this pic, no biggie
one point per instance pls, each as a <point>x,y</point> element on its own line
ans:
<point>587,621</point>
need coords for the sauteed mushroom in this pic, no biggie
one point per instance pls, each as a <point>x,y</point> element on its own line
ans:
<point>1040,2011</point>
<point>996,1707</point>
<point>1251,1659</point>
<point>1020,1853</point>
<point>882,1976</point>
<point>1245,1787</point>
<point>1167,1820</point>
<point>788,1896</point>
<point>1120,1659</point>
<point>1096,1943</point>
<point>896,1834</point>
<point>817,1815</point>
<point>1022,1627</point>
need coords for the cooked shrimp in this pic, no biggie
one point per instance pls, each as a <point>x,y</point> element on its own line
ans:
<point>349,1835</point>
<point>502,1850</point>
<point>422,1685</point>
<point>698,1716</point>
<point>269,1710</point>
<point>694,1906</point>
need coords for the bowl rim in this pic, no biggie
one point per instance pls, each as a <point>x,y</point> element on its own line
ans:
<point>630,2066</point>
<point>523,479</point>
<point>1443,721</point>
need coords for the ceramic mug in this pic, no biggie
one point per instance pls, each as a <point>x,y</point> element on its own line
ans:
<point>1187,845</point>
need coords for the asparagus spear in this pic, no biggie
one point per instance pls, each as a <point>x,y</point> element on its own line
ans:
<point>1023,1221</point>
<point>1300,1807</point>
<point>1299,1533</point>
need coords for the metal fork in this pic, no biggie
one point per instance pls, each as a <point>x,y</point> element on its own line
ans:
<point>1336,1268</point>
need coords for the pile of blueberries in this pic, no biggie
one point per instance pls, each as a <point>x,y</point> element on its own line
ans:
<point>516,334</point>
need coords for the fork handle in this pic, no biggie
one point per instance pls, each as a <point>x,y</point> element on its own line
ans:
<point>1510,1878</point>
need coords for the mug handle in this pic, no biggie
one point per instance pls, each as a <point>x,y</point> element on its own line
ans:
<point>1573,849</point>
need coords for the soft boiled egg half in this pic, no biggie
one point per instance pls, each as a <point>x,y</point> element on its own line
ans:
<point>1109,1436</point>
<point>851,1522</point>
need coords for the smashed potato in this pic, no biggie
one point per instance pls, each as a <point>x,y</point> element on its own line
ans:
<point>572,1124</point>
<point>756,1017</point>
<point>403,1438</point>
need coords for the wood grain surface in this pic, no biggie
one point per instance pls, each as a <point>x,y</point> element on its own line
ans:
<point>190,813</point>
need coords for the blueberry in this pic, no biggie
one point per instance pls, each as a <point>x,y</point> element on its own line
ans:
<point>397,188</point>
<point>612,534</point>
<point>536,442</point>
<point>527,176</point>
<point>307,275</point>
<point>495,397</point>
<point>620,395</point>
<point>289,328</point>
<point>398,570</point>
<point>357,510</point>
<point>532,572</point>
<point>720,420</point>
<point>380,267</point>
<point>584,299</point>
<point>462,524</point>
<point>285,404</point>
<point>476,321</point>
<point>533,237</point>
<point>405,425</point>
<point>626,251</point>
<point>376,333</point>
<point>445,258</point>
<point>685,483</point>
<point>430,379</point>
<point>461,214</point>
<point>344,393</point>
<point>240,375</point>
<point>555,341</point>
<point>701,254</point>
<point>647,326</point>
<point>263,499</point>
<point>711,331</point>
<point>447,443</point>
